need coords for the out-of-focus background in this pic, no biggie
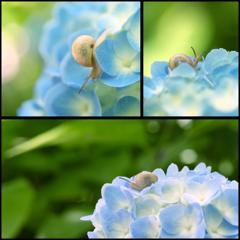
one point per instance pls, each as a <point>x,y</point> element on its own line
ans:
<point>173,27</point>
<point>53,170</point>
<point>22,24</point>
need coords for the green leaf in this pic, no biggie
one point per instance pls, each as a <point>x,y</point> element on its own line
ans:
<point>17,199</point>
<point>49,137</point>
<point>84,133</point>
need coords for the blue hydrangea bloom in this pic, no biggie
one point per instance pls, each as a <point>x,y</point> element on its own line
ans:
<point>118,56</point>
<point>209,89</point>
<point>183,203</point>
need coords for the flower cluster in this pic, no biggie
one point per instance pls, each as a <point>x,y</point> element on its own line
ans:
<point>209,89</point>
<point>179,204</point>
<point>116,90</point>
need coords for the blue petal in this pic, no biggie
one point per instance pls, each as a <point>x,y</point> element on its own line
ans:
<point>135,65</point>
<point>60,50</point>
<point>65,101</point>
<point>227,204</point>
<point>170,218</point>
<point>215,58</point>
<point>172,170</point>
<point>73,74</point>
<point>216,224</point>
<point>127,106</point>
<point>178,217</point>
<point>53,71</point>
<point>148,88</point>
<point>116,57</point>
<point>227,230</point>
<point>122,48</point>
<point>133,30</point>
<point>96,234</point>
<point>201,168</point>
<point>115,198</point>
<point>30,108</point>
<point>105,56</point>
<point>115,224</point>
<point>160,173</point>
<point>159,69</point>
<point>148,204</point>
<point>121,80</point>
<point>153,87</point>
<point>51,35</point>
<point>171,191</point>
<point>63,12</point>
<point>146,227</point>
<point>183,70</point>
<point>43,84</point>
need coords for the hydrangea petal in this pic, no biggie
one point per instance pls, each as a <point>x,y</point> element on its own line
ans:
<point>73,74</point>
<point>172,170</point>
<point>183,70</point>
<point>115,224</point>
<point>107,61</point>
<point>121,80</point>
<point>127,106</point>
<point>145,227</point>
<point>115,197</point>
<point>227,204</point>
<point>148,204</point>
<point>65,101</point>
<point>30,108</point>
<point>122,48</point>
<point>159,69</point>
<point>133,30</point>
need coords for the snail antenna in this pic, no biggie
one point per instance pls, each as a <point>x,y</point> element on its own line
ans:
<point>125,179</point>
<point>194,52</point>
<point>84,84</point>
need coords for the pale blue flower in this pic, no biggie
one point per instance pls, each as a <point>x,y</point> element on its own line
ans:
<point>180,204</point>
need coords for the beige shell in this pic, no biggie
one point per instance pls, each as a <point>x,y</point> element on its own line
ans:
<point>82,50</point>
<point>175,60</point>
<point>143,180</point>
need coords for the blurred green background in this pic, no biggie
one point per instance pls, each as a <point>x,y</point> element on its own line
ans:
<point>22,24</point>
<point>52,171</point>
<point>173,27</point>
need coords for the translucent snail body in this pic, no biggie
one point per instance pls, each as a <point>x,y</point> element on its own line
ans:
<point>142,180</point>
<point>175,60</point>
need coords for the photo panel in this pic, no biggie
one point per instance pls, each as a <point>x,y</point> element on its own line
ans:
<point>127,178</point>
<point>191,59</point>
<point>71,59</point>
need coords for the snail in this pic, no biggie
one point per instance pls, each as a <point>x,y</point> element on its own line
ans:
<point>175,60</point>
<point>83,52</point>
<point>142,180</point>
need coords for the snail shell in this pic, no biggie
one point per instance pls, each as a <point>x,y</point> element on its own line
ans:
<point>82,50</point>
<point>142,180</point>
<point>175,60</point>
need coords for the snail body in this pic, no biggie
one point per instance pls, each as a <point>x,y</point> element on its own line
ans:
<point>142,180</point>
<point>83,52</point>
<point>175,60</point>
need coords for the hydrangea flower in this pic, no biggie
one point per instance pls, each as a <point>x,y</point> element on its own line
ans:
<point>116,28</point>
<point>194,203</point>
<point>209,89</point>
